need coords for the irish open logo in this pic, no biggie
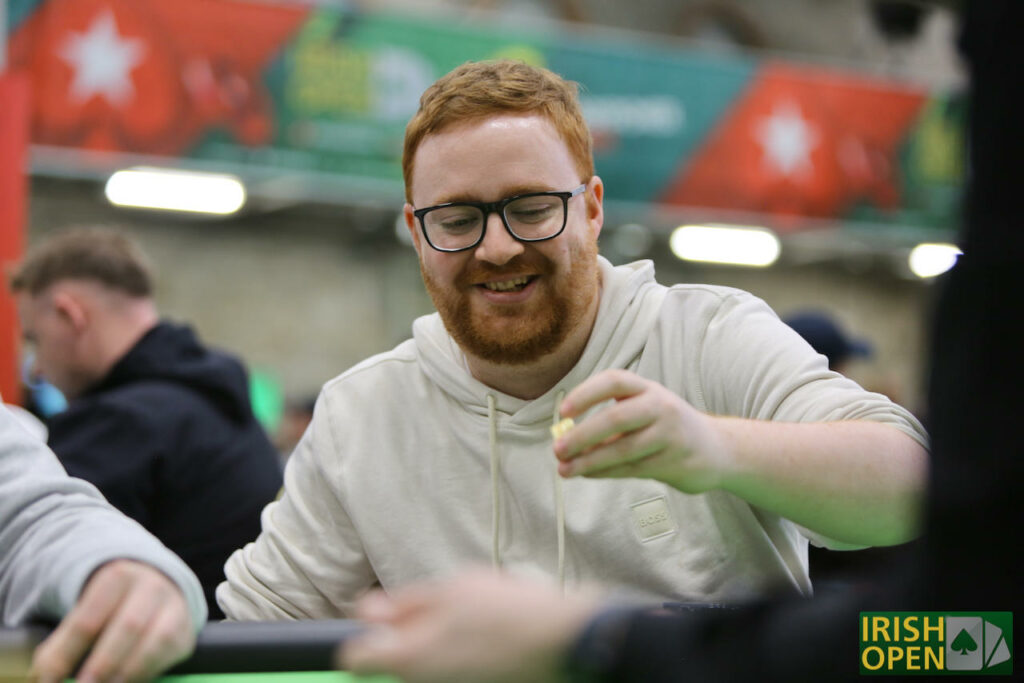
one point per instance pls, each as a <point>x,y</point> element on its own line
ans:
<point>929,643</point>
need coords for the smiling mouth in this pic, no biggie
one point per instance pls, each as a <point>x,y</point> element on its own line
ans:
<point>513,285</point>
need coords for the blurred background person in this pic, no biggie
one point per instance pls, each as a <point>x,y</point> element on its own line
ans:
<point>826,337</point>
<point>160,424</point>
<point>846,351</point>
<point>296,416</point>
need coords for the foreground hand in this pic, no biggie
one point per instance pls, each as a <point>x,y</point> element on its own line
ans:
<point>649,432</point>
<point>480,626</point>
<point>132,616</point>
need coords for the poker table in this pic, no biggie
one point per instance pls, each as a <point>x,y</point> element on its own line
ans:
<point>229,652</point>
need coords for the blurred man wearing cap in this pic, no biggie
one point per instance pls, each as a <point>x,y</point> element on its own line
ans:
<point>827,338</point>
<point>830,339</point>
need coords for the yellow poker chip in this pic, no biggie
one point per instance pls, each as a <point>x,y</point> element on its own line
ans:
<point>561,427</point>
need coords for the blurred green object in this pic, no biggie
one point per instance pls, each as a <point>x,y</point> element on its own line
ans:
<point>267,399</point>
<point>279,677</point>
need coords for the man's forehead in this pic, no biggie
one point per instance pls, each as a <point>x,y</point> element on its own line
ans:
<point>490,158</point>
<point>495,123</point>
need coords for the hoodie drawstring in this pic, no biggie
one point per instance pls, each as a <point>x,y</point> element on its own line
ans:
<point>495,491</point>
<point>559,504</point>
<point>495,501</point>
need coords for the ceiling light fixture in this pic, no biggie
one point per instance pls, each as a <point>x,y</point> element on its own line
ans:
<point>174,190</point>
<point>929,259</point>
<point>734,245</point>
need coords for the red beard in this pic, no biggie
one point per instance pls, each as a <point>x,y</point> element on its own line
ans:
<point>516,335</point>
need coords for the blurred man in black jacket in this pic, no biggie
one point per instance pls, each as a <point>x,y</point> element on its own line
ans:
<point>160,424</point>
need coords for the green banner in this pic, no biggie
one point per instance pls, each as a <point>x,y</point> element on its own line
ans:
<point>312,102</point>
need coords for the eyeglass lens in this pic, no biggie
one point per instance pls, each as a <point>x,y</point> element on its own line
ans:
<point>529,218</point>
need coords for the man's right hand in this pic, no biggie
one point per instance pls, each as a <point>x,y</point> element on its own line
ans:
<point>131,616</point>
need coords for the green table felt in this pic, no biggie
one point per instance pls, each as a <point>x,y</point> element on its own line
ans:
<point>279,677</point>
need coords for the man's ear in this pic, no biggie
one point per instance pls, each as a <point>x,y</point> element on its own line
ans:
<point>70,309</point>
<point>413,225</point>
<point>595,204</point>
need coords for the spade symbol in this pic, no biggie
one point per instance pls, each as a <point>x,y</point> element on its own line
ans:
<point>964,643</point>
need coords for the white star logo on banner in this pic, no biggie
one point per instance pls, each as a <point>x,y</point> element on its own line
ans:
<point>102,61</point>
<point>787,139</point>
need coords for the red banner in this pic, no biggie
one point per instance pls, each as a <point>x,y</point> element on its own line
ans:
<point>14,118</point>
<point>803,141</point>
<point>149,76</point>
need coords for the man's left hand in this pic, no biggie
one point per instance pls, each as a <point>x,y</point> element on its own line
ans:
<point>648,432</point>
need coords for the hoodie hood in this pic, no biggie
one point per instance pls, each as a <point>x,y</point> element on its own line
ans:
<point>172,353</point>
<point>624,319</point>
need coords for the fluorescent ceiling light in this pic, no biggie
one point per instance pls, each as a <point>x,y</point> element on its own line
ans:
<point>742,246</point>
<point>930,258</point>
<point>171,190</point>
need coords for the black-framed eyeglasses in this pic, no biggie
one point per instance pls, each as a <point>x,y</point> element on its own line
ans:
<point>532,217</point>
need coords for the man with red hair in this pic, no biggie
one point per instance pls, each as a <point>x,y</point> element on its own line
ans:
<point>711,442</point>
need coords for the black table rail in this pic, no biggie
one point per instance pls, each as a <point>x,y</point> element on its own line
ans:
<point>227,647</point>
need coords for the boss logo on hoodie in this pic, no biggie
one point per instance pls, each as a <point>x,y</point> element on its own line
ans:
<point>653,519</point>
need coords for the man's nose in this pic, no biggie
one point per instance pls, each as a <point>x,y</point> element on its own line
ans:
<point>498,245</point>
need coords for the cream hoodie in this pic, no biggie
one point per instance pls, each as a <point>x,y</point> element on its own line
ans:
<point>412,469</point>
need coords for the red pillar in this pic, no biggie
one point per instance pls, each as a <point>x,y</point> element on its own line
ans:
<point>14,127</point>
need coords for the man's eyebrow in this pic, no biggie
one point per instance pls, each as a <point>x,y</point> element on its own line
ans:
<point>513,191</point>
